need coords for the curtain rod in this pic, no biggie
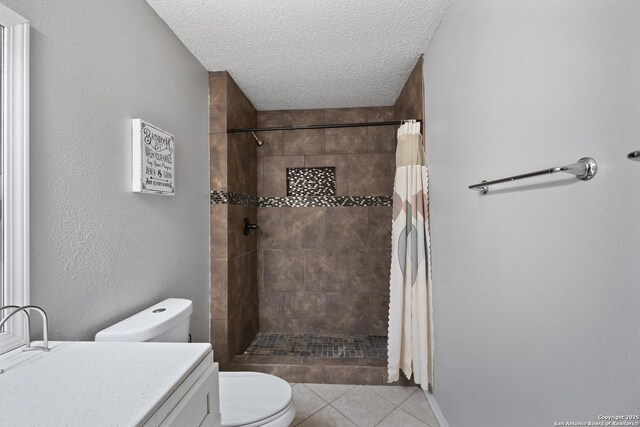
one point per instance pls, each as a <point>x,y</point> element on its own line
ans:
<point>331,126</point>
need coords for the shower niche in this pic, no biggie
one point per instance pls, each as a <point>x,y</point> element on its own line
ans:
<point>311,182</point>
<point>307,298</point>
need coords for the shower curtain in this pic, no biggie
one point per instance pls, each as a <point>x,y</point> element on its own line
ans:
<point>410,306</point>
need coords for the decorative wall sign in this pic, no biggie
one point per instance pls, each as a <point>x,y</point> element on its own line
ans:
<point>153,159</point>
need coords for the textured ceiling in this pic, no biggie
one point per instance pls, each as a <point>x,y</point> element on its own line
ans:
<point>290,54</point>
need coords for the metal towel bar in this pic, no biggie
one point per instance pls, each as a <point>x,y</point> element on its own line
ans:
<point>584,169</point>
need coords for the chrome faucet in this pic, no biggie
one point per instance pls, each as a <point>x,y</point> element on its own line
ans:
<point>27,323</point>
<point>27,339</point>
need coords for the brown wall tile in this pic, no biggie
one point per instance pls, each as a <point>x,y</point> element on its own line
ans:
<point>347,227</point>
<point>249,322</point>
<point>272,139</point>
<point>260,270</point>
<point>305,228</point>
<point>274,175</point>
<point>242,281</point>
<point>346,140</point>
<point>373,362</point>
<point>305,305</point>
<point>219,295</point>
<point>410,103</point>
<point>220,342</point>
<point>259,176</point>
<point>346,115</point>
<point>238,243</point>
<point>378,327</point>
<point>241,164</point>
<point>307,325</point>
<point>369,270</point>
<point>299,374</point>
<point>218,103</point>
<point>380,114</point>
<point>381,139</point>
<point>380,218</point>
<point>218,232</point>
<point>218,161</point>
<point>371,174</point>
<point>308,141</point>
<point>330,361</point>
<point>233,167</point>
<point>235,333</point>
<point>303,117</point>
<point>283,270</point>
<point>243,327</point>
<point>326,270</point>
<point>271,309</point>
<point>268,119</point>
<point>273,179</point>
<point>350,312</point>
<point>354,375</point>
<point>379,313</point>
<point>240,111</point>
<point>271,221</point>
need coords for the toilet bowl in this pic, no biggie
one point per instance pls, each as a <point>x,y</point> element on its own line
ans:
<point>251,399</point>
<point>247,399</point>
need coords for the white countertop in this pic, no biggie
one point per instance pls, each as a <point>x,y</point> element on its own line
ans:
<point>92,383</point>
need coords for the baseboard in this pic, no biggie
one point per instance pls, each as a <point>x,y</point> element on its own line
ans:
<point>436,409</point>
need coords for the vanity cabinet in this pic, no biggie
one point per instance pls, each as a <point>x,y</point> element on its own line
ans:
<point>196,402</point>
<point>104,384</point>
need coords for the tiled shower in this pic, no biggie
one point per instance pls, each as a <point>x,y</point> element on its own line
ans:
<point>307,296</point>
<point>315,260</point>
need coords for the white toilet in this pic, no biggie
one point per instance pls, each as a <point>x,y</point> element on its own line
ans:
<point>247,399</point>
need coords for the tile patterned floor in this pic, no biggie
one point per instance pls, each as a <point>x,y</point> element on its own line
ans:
<point>329,405</point>
<point>316,345</point>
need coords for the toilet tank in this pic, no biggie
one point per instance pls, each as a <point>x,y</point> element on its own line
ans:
<point>166,321</point>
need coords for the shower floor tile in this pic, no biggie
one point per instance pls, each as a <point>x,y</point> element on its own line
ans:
<point>319,346</point>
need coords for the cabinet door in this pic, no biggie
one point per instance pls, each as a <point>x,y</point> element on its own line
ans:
<point>200,406</point>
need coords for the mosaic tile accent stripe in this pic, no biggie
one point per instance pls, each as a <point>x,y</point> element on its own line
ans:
<point>322,201</point>
<point>231,198</point>
<point>320,181</point>
<point>316,345</point>
<point>224,197</point>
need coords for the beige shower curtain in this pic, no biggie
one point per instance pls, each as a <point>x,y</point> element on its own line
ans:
<point>410,307</point>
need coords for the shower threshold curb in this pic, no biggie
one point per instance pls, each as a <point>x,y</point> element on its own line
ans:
<point>297,369</point>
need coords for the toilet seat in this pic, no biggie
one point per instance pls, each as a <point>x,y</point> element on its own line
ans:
<point>253,399</point>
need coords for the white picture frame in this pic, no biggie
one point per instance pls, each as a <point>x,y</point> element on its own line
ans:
<point>153,160</point>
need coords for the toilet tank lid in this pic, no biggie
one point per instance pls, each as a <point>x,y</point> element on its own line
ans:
<point>149,323</point>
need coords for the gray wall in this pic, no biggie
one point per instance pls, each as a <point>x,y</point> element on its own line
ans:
<point>536,288</point>
<point>98,251</point>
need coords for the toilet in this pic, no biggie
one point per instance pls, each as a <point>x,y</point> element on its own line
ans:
<point>247,399</point>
